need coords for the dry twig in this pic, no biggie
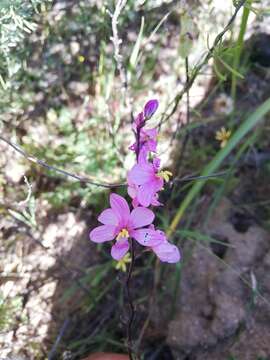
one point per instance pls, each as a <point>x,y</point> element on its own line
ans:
<point>120,4</point>
<point>42,163</point>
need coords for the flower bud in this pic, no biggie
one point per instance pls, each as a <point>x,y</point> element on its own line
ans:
<point>139,120</point>
<point>150,108</point>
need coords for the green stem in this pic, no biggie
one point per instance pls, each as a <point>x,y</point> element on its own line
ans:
<point>238,49</point>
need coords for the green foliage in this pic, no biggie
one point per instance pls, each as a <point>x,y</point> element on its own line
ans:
<point>239,48</point>
<point>27,216</point>
<point>9,308</point>
<point>17,21</point>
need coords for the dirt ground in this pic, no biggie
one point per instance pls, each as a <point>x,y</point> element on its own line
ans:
<point>223,307</point>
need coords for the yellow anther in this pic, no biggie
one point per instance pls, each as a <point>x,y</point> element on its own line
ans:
<point>223,136</point>
<point>165,174</point>
<point>122,264</point>
<point>122,234</point>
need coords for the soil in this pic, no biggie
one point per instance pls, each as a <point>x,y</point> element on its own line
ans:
<point>223,307</point>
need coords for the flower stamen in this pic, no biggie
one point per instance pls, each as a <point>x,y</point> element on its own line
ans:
<point>122,234</point>
<point>122,264</point>
<point>165,175</point>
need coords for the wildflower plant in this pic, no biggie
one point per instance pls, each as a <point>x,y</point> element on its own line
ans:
<point>124,226</point>
<point>145,180</point>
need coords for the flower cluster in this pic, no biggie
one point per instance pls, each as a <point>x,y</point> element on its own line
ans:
<point>145,180</point>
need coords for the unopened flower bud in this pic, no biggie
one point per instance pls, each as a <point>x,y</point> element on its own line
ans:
<point>150,108</point>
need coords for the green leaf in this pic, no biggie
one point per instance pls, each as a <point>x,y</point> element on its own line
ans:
<point>135,52</point>
<point>19,217</point>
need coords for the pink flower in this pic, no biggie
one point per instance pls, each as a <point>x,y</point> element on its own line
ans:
<point>157,241</point>
<point>165,251</point>
<point>148,179</point>
<point>118,222</point>
<point>133,193</point>
<point>150,108</point>
<point>148,141</point>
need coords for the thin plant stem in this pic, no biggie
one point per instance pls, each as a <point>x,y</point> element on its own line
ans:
<point>130,302</point>
<point>186,138</point>
<point>238,50</point>
<point>132,250</point>
<point>42,163</point>
<point>120,4</point>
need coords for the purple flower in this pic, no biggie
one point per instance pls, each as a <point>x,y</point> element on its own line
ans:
<point>148,178</point>
<point>149,181</point>
<point>150,108</point>
<point>118,222</point>
<point>157,241</point>
<point>165,251</point>
<point>133,193</point>
<point>148,141</point>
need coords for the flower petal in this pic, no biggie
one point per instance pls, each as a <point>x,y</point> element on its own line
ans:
<point>141,174</point>
<point>152,145</point>
<point>146,193</point>
<point>132,190</point>
<point>141,217</point>
<point>151,133</point>
<point>143,154</point>
<point>146,237</point>
<point>156,163</point>
<point>120,248</point>
<point>155,201</point>
<point>167,252</point>
<point>103,233</point>
<point>108,217</point>
<point>135,202</point>
<point>120,208</point>
<point>150,108</point>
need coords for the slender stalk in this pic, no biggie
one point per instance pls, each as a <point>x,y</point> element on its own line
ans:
<point>186,138</point>
<point>130,302</point>
<point>43,164</point>
<point>132,250</point>
<point>238,50</point>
